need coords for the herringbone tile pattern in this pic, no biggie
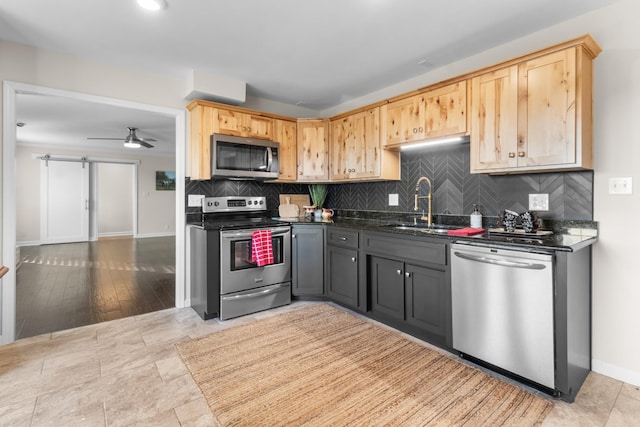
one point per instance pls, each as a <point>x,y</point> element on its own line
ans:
<point>455,190</point>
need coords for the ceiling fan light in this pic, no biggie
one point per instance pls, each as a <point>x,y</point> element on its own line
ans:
<point>153,5</point>
<point>131,144</point>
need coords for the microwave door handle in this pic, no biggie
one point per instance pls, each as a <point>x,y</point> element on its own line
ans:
<point>269,158</point>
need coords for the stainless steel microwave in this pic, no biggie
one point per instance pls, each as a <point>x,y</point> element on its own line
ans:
<point>235,157</point>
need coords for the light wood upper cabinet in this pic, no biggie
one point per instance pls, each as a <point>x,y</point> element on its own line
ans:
<point>494,119</point>
<point>232,122</point>
<point>435,113</point>
<point>356,151</point>
<point>285,132</point>
<point>313,150</point>
<point>534,116</point>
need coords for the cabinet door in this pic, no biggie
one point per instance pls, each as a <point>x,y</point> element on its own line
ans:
<point>425,298</point>
<point>231,122</point>
<point>202,125</point>
<point>342,275</point>
<point>387,287</point>
<point>307,260</point>
<point>547,110</point>
<point>445,111</point>
<point>286,134</point>
<point>403,120</point>
<point>355,146</point>
<point>256,126</point>
<point>494,118</point>
<point>313,153</point>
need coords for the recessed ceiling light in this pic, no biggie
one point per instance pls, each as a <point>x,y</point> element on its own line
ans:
<point>152,4</point>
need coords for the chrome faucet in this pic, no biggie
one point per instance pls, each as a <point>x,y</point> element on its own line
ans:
<point>428,217</point>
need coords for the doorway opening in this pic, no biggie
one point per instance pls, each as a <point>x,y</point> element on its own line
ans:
<point>137,251</point>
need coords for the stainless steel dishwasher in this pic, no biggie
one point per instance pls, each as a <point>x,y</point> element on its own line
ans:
<point>502,309</point>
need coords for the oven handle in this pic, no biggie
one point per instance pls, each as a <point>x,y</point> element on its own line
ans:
<point>254,294</point>
<point>248,233</point>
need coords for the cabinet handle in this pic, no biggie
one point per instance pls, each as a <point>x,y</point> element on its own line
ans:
<point>415,130</point>
<point>520,153</point>
<point>407,274</point>
<point>420,129</point>
<point>353,259</point>
<point>293,236</point>
<point>344,239</point>
<point>399,272</point>
<point>511,154</point>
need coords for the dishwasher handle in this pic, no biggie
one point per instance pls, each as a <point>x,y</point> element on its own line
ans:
<point>499,261</point>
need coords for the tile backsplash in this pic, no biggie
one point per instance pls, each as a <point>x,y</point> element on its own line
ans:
<point>455,190</point>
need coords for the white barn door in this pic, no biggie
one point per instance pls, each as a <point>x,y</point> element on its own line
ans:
<point>64,204</point>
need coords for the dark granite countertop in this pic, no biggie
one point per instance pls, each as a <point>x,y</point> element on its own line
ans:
<point>567,236</point>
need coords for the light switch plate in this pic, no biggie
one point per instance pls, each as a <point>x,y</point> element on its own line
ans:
<point>538,202</point>
<point>393,200</point>
<point>195,200</point>
<point>621,185</point>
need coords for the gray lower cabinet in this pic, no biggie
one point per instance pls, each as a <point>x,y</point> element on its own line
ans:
<point>426,299</point>
<point>307,260</point>
<point>343,266</point>
<point>409,285</point>
<point>386,278</point>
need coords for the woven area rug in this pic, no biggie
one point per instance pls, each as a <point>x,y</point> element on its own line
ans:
<point>321,366</point>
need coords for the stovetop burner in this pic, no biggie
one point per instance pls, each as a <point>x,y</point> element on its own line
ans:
<point>236,212</point>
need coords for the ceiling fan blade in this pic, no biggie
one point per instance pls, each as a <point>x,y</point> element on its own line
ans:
<point>111,139</point>
<point>144,143</point>
<point>147,139</point>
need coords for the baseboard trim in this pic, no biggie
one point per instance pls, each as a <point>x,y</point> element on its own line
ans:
<point>146,235</point>
<point>116,234</point>
<point>29,243</point>
<point>616,372</point>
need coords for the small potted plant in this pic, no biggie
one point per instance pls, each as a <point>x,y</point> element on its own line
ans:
<point>318,193</point>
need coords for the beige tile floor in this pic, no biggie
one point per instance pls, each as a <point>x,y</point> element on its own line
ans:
<point>127,372</point>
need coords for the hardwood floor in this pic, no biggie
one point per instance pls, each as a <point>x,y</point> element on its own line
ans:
<point>75,284</point>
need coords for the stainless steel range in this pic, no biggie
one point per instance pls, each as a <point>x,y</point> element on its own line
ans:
<point>226,282</point>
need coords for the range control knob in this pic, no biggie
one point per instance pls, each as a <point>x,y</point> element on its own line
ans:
<point>216,203</point>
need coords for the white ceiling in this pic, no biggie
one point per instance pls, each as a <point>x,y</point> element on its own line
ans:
<point>313,53</point>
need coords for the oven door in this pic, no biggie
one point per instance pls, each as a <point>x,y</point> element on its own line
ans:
<point>239,273</point>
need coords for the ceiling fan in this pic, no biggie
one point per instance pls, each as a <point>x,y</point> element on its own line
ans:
<point>132,140</point>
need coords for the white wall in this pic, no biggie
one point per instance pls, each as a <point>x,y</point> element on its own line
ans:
<point>156,209</point>
<point>115,198</point>
<point>616,265</point>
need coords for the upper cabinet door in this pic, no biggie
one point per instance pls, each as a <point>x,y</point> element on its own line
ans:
<point>230,122</point>
<point>403,120</point>
<point>494,119</point>
<point>286,134</point>
<point>547,110</point>
<point>313,150</point>
<point>445,111</point>
<point>355,146</point>
<point>436,113</point>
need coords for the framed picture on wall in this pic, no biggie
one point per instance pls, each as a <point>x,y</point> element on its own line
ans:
<point>165,180</point>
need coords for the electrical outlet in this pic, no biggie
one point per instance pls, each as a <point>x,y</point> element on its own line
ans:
<point>620,185</point>
<point>538,202</point>
<point>393,200</point>
<point>195,200</point>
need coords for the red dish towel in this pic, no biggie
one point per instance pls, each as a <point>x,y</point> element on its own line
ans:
<point>468,231</point>
<point>261,247</point>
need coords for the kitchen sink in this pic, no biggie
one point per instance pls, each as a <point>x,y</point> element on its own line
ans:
<point>423,228</point>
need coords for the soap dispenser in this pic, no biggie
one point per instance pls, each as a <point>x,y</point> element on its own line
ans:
<point>476,218</point>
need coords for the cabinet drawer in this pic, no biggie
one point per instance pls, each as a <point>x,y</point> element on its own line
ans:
<point>406,249</point>
<point>342,237</point>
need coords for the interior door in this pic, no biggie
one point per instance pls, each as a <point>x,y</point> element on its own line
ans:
<point>64,205</point>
